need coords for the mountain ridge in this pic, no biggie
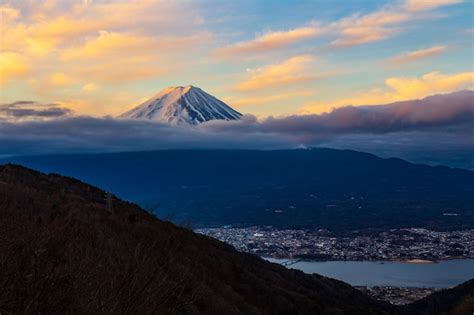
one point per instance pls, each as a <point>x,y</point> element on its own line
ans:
<point>193,186</point>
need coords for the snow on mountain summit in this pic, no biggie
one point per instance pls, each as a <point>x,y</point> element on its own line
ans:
<point>178,105</point>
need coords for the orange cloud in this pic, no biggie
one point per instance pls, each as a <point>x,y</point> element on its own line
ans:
<point>49,25</point>
<point>107,43</point>
<point>8,13</point>
<point>294,70</point>
<point>120,44</point>
<point>89,87</point>
<point>419,5</point>
<point>81,106</point>
<point>361,29</point>
<point>58,22</point>
<point>60,79</point>
<point>353,30</point>
<point>99,103</point>
<point>12,66</point>
<point>430,83</point>
<point>35,35</point>
<point>382,24</point>
<point>65,27</point>
<point>416,55</point>
<point>400,89</point>
<point>121,70</point>
<point>45,36</point>
<point>270,41</point>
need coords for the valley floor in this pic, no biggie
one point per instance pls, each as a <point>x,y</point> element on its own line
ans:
<point>412,244</point>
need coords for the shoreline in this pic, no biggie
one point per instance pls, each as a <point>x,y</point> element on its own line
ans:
<point>420,261</point>
<point>388,274</point>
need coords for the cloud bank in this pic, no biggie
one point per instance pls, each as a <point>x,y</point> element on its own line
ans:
<point>402,88</point>
<point>28,110</point>
<point>436,123</point>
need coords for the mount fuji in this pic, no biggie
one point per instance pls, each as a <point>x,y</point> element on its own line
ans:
<point>178,105</point>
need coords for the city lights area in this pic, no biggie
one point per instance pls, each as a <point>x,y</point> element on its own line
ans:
<point>412,244</point>
<point>399,266</point>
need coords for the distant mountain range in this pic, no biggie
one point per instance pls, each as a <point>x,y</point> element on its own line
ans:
<point>316,188</point>
<point>68,247</point>
<point>180,105</point>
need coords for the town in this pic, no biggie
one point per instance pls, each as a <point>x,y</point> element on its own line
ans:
<point>411,244</point>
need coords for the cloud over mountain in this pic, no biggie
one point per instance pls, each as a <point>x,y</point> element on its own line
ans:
<point>433,111</point>
<point>440,122</point>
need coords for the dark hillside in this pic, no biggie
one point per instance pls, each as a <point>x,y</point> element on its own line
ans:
<point>64,249</point>
<point>456,301</point>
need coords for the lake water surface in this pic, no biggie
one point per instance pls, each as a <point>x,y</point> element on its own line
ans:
<point>372,273</point>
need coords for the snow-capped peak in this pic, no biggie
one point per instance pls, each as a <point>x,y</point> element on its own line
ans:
<point>182,105</point>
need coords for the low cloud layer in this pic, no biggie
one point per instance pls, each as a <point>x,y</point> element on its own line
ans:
<point>434,111</point>
<point>441,123</point>
<point>27,110</point>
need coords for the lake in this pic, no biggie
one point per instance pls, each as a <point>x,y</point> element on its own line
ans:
<point>375,273</point>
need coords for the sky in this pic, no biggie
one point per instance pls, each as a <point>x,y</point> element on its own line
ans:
<point>264,58</point>
<point>394,78</point>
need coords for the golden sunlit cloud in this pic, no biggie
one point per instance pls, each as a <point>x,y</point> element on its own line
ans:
<point>101,104</point>
<point>82,106</point>
<point>362,29</point>
<point>419,5</point>
<point>60,80</point>
<point>12,66</point>
<point>382,24</point>
<point>40,46</point>
<point>353,30</point>
<point>400,89</point>
<point>44,37</point>
<point>270,41</point>
<point>49,24</point>
<point>89,87</point>
<point>8,14</point>
<point>124,44</point>
<point>294,70</point>
<point>65,50</point>
<point>121,70</point>
<point>106,43</point>
<point>430,83</point>
<point>65,28</point>
<point>416,55</point>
